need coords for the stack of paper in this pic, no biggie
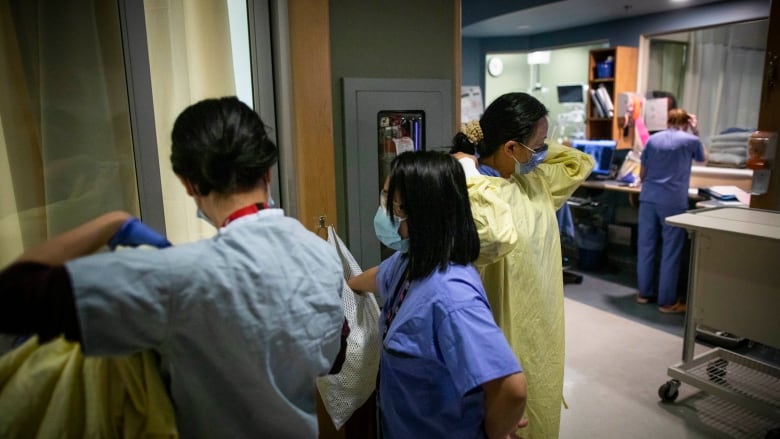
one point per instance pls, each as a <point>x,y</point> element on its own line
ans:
<point>726,193</point>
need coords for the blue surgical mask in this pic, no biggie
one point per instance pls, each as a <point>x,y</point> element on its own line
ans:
<point>537,157</point>
<point>387,231</point>
<point>199,213</point>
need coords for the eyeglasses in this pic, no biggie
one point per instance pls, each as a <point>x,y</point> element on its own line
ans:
<point>541,148</point>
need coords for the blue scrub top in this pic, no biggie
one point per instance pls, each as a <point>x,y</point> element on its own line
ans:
<point>667,159</point>
<point>487,170</point>
<point>442,345</point>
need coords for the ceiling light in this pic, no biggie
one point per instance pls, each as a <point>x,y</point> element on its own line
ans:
<point>539,57</point>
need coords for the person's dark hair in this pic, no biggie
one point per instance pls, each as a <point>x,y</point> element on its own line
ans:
<point>432,190</point>
<point>221,145</point>
<point>511,116</point>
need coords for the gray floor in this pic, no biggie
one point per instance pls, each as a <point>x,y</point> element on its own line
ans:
<point>617,355</point>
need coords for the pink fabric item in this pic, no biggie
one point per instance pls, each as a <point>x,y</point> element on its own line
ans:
<point>641,130</point>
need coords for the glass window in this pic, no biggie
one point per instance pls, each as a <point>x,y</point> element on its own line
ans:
<point>197,50</point>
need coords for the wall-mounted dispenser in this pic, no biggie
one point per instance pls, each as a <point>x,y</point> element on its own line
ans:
<point>384,117</point>
<point>762,146</point>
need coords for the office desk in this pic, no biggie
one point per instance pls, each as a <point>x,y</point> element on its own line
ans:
<point>612,185</point>
<point>701,176</point>
<point>621,217</point>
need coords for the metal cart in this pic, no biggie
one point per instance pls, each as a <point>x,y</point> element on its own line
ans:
<point>734,285</point>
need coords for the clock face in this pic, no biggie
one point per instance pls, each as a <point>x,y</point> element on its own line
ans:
<point>495,66</point>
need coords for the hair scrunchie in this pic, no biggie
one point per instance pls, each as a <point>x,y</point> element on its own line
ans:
<point>473,131</point>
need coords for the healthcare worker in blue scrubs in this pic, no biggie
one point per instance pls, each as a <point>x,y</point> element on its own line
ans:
<point>446,369</point>
<point>666,175</point>
<point>243,322</point>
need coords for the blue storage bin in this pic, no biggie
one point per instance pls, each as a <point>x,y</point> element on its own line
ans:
<point>605,69</point>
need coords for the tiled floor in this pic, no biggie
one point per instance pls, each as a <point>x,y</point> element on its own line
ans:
<point>615,364</point>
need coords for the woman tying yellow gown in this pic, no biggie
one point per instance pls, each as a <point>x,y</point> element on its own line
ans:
<point>515,188</point>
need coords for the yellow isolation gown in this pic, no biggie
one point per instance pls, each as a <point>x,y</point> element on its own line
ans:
<point>53,391</point>
<point>520,266</point>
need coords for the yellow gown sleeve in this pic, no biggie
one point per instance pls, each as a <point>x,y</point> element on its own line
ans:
<point>496,225</point>
<point>52,390</point>
<point>564,169</point>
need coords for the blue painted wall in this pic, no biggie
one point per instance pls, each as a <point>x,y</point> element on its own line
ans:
<point>478,10</point>
<point>618,33</point>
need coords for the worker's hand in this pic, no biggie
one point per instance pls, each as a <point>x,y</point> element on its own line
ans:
<point>468,162</point>
<point>692,124</point>
<point>134,233</point>
<point>460,155</point>
<point>521,424</point>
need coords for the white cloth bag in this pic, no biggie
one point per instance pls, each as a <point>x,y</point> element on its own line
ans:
<point>345,392</point>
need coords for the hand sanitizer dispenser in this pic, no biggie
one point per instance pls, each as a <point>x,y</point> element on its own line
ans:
<point>761,154</point>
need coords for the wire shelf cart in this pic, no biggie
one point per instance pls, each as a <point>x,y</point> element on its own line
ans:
<point>734,285</point>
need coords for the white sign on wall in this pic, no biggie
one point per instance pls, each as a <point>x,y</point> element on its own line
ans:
<point>656,114</point>
<point>471,106</point>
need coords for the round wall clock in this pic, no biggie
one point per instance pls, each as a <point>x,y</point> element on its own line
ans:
<point>495,66</point>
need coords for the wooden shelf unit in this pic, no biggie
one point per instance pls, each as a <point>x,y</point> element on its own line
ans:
<point>623,80</point>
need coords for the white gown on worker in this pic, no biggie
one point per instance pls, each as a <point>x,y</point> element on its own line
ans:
<point>520,266</point>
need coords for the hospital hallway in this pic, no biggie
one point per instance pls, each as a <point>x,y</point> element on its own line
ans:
<point>617,355</point>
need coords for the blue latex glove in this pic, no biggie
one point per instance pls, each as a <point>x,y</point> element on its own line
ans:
<point>134,233</point>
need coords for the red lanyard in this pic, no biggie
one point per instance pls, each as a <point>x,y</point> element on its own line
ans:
<point>244,211</point>
<point>401,292</point>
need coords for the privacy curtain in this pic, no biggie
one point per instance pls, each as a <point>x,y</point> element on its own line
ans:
<point>65,145</point>
<point>724,77</point>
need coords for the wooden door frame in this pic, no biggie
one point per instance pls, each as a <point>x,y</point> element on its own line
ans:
<point>768,119</point>
<point>313,172</point>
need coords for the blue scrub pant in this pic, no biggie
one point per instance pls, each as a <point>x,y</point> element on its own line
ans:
<point>651,226</point>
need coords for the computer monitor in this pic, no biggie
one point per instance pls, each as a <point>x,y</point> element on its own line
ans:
<point>602,151</point>
<point>570,94</point>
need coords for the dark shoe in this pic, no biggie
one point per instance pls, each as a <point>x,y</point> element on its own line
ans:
<point>677,308</point>
<point>644,299</point>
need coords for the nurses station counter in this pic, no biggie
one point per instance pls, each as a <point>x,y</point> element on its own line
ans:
<point>701,176</point>
<point>734,286</point>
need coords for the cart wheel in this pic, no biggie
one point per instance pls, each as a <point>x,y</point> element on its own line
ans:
<point>716,370</point>
<point>668,391</point>
<point>773,434</point>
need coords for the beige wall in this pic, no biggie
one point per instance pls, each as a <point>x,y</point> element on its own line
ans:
<point>562,70</point>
